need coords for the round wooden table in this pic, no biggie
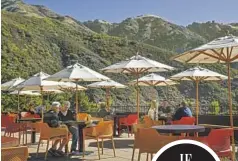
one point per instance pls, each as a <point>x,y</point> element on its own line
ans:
<point>178,129</point>
<point>9,141</point>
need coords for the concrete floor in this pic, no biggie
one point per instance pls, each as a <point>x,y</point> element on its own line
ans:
<point>123,146</point>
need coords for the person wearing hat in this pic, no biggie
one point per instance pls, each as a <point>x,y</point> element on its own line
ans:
<point>183,111</point>
<point>52,119</point>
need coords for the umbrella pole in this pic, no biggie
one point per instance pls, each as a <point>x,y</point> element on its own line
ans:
<point>42,98</point>
<point>137,94</point>
<point>230,108</point>
<point>197,101</point>
<point>107,98</point>
<point>76,99</point>
<point>25,102</point>
<point>18,101</point>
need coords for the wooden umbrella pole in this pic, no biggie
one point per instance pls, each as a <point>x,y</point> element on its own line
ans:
<point>197,101</point>
<point>137,94</point>
<point>18,101</point>
<point>107,98</point>
<point>76,99</point>
<point>25,102</point>
<point>230,108</point>
<point>42,106</point>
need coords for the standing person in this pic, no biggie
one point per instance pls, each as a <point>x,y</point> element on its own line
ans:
<point>183,111</point>
<point>67,115</point>
<point>52,119</point>
<point>153,111</point>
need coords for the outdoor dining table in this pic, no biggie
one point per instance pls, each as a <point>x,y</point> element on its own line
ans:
<point>9,141</point>
<point>33,120</point>
<point>178,129</point>
<point>81,125</point>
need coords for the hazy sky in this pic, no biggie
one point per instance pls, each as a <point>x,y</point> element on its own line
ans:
<point>181,12</point>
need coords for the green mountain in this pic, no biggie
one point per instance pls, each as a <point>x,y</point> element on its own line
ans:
<point>152,30</point>
<point>35,39</point>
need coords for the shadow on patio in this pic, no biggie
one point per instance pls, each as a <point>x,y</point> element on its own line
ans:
<point>119,144</point>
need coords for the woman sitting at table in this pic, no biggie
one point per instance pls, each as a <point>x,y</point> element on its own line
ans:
<point>67,115</point>
<point>52,119</point>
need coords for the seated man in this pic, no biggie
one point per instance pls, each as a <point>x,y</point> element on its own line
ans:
<point>102,112</point>
<point>52,119</point>
<point>66,115</point>
<point>183,111</point>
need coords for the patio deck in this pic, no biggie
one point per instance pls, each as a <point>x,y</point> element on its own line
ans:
<point>123,146</point>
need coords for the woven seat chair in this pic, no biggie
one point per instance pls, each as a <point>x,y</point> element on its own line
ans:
<point>14,154</point>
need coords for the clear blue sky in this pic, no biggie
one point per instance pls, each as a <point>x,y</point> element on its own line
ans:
<point>181,12</point>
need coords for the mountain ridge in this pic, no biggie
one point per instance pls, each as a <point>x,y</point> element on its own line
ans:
<point>35,39</point>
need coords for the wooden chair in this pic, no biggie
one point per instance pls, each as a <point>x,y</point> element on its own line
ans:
<point>152,141</point>
<point>50,134</point>
<point>14,154</point>
<point>104,130</point>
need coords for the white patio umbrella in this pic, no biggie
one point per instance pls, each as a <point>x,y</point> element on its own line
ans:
<point>220,50</point>
<point>198,74</point>
<point>36,83</point>
<point>30,93</point>
<point>11,84</point>
<point>137,65</point>
<point>24,93</point>
<point>76,73</point>
<point>153,80</point>
<point>8,86</point>
<point>108,84</point>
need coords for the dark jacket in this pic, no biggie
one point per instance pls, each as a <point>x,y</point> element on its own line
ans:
<point>69,116</point>
<point>182,112</point>
<point>51,118</point>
